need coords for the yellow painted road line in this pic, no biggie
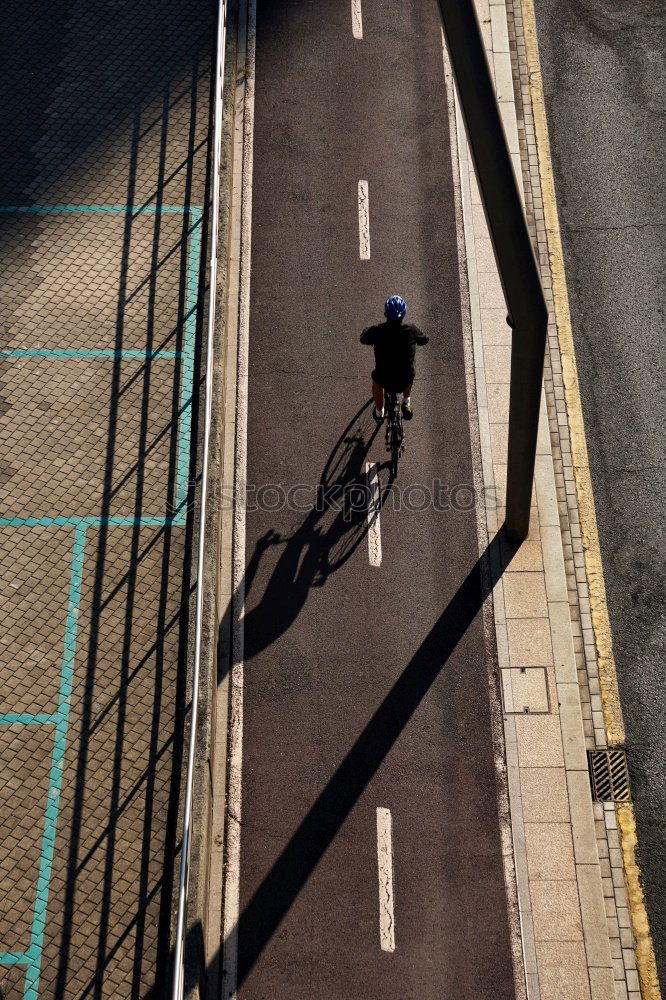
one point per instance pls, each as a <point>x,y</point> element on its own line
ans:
<point>614,724</point>
<point>645,961</point>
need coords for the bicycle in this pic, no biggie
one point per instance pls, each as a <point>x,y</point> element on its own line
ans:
<point>395,432</point>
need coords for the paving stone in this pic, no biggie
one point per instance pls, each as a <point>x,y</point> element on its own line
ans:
<point>497,358</point>
<point>543,435</point>
<point>555,911</point>
<point>563,970</point>
<point>561,636</point>
<point>544,793</point>
<point>503,76</point>
<point>33,564</point>
<point>553,561</point>
<point>525,595</point>
<point>528,558</point>
<point>500,36</point>
<point>25,752</point>
<point>629,958</point>
<point>498,402</point>
<point>633,983</point>
<point>545,487</point>
<point>582,820</point>
<point>571,721</point>
<point>549,851</point>
<point>595,922</point>
<point>499,439</point>
<point>63,455</point>
<point>508,116</point>
<point>529,642</point>
<point>539,740</point>
<point>82,261</point>
<point>602,984</point>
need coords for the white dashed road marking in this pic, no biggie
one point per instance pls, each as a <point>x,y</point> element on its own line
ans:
<point>374,505</point>
<point>364,220</point>
<point>357,20</point>
<point>385,868</point>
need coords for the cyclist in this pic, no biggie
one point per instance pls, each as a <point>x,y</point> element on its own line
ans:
<point>395,343</point>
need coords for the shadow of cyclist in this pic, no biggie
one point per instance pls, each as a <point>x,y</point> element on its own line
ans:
<point>320,545</point>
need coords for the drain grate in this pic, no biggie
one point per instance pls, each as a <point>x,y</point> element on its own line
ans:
<point>609,775</point>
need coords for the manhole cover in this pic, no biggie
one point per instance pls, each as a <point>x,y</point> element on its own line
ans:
<point>525,691</point>
<point>609,775</point>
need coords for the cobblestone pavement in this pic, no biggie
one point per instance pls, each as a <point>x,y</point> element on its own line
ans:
<point>105,114</point>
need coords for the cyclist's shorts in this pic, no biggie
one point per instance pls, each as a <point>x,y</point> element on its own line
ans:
<point>394,381</point>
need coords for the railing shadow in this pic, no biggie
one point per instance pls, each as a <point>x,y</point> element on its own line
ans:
<point>111,105</point>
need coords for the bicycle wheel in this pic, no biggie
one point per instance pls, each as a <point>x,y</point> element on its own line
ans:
<point>395,447</point>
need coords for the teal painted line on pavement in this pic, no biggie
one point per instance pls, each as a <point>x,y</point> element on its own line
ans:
<point>189,349</point>
<point>13,958</point>
<point>93,522</point>
<point>26,719</point>
<point>102,353</point>
<point>31,990</point>
<point>187,355</point>
<point>98,209</point>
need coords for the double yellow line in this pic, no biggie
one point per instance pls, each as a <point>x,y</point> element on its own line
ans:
<point>613,721</point>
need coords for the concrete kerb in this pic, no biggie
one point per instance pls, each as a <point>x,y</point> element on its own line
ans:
<point>199,962</point>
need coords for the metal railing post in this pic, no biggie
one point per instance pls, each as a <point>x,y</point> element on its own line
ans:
<point>177,985</point>
<point>518,269</point>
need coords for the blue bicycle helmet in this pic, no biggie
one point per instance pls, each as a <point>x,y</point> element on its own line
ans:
<point>395,307</point>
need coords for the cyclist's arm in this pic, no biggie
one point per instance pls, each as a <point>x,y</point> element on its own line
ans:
<point>368,336</point>
<point>421,338</point>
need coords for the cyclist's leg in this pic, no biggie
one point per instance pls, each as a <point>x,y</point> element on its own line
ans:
<point>378,398</point>
<point>407,411</point>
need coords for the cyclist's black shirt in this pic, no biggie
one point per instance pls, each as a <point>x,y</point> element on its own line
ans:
<point>395,349</point>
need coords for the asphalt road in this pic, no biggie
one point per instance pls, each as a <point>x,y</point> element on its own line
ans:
<point>366,687</point>
<point>603,70</point>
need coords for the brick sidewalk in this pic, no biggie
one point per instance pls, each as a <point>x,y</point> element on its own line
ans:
<point>102,232</point>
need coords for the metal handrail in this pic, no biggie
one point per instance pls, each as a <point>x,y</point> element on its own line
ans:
<point>178,966</point>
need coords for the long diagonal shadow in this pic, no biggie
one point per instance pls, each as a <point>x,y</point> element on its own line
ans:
<point>272,900</point>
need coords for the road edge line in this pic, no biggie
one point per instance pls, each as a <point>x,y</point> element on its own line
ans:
<point>608,684</point>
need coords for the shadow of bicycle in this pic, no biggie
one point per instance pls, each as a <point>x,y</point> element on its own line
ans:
<point>323,542</point>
